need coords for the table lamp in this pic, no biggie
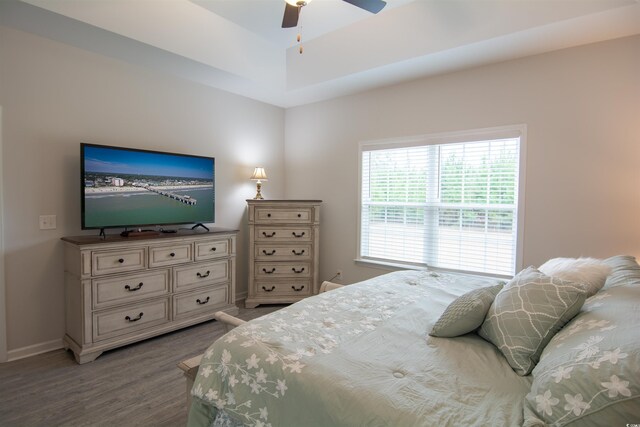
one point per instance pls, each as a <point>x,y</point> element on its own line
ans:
<point>259,175</point>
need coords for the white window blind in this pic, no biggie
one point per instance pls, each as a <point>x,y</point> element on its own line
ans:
<point>453,206</point>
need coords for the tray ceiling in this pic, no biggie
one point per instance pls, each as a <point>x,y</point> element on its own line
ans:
<point>238,45</point>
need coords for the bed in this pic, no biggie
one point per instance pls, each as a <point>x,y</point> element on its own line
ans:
<point>361,355</point>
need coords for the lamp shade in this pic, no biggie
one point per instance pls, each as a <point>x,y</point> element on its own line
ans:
<point>298,3</point>
<point>259,174</point>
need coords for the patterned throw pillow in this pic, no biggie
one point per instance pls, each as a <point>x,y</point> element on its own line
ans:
<point>527,313</point>
<point>588,373</point>
<point>466,313</point>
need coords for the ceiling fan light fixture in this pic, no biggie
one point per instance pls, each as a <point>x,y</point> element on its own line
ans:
<point>293,7</point>
<point>298,3</point>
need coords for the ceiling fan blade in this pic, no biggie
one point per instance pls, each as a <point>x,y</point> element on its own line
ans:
<point>291,14</point>
<point>373,6</point>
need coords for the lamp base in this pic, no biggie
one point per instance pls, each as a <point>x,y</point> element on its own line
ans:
<point>258,194</point>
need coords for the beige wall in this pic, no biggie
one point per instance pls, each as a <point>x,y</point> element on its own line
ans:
<point>580,105</point>
<point>3,317</point>
<point>582,110</point>
<point>54,97</point>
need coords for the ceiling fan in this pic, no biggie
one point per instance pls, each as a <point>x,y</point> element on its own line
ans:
<point>292,9</point>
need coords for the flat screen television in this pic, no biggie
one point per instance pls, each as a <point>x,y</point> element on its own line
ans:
<point>126,187</point>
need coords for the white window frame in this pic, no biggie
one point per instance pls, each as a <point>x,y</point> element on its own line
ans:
<point>484,134</point>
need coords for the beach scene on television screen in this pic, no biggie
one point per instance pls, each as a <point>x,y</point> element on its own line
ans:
<point>123,187</point>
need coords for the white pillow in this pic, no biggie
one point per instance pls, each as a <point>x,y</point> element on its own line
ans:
<point>590,272</point>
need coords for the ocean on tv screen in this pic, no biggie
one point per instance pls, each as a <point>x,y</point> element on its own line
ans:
<point>127,187</point>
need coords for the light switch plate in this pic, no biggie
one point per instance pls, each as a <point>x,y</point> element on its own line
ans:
<point>47,222</point>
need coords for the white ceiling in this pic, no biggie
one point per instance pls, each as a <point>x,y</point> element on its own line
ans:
<point>264,17</point>
<point>238,45</point>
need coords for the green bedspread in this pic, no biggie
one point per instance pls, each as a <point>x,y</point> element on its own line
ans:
<point>359,356</point>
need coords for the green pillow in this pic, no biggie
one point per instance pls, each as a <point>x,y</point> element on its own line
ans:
<point>527,313</point>
<point>466,313</point>
<point>588,373</point>
<point>624,271</point>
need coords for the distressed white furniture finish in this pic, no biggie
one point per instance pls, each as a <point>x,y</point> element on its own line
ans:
<point>284,240</point>
<point>189,369</point>
<point>121,290</point>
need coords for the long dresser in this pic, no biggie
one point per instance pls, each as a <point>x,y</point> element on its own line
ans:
<point>121,290</point>
<point>284,240</point>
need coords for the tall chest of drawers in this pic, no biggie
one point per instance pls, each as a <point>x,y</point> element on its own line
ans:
<point>283,250</point>
<point>122,290</point>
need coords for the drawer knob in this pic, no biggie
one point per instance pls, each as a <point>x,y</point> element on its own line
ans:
<point>268,215</point>
<point>268,290</point>
<point>273,270</point>
<point>172,254</point>
<point>273,251</point>
<point>121,260</point>
<point>293,251</point>
<point>264,233</point>
<point>129,319</point>
<point>299,215</point>
<point>214,249</point>
<point>203,302</point>
<point>297,271</point>
<point>202,276</point>
<point>130,289</point>
<point>297,289</point>
<point>297,235</point>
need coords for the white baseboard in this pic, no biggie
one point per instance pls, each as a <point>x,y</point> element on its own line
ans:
<point>32,350</point>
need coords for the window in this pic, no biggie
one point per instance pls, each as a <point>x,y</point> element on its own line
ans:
<point>449,201</point>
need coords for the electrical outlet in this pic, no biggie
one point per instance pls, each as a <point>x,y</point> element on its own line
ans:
<point>47,222</point>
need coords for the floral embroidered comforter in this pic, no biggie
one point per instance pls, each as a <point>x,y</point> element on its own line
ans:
<point>359,356</point>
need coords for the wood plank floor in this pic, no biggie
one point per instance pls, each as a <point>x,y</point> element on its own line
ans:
<point>136,385</point>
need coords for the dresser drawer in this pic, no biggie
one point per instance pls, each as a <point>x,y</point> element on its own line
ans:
<point>195,276</point>
<point>108,262</point>
<point>118,291</point>
<point>111,291</point>
<point>293,288</point>
<point>282,269</point>
<point>283,234</point>
<point>196,302</point>
<point>169,255</point>
<point>291,252</point>
<point>272,215</point>
<point>125,320</point>
<point>283,251</point>
<point>211,249</point>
